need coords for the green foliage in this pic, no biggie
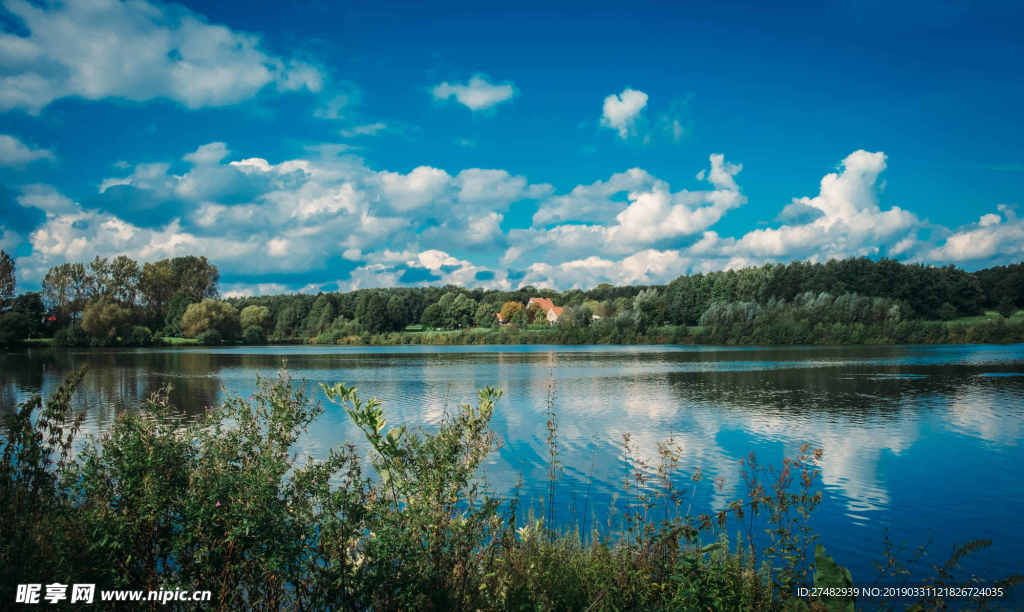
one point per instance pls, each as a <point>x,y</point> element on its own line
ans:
<point>210,337</point>
<point>827,573</point>
<point>258,316</point>
<point>224,503</point>
<point>253,335</point>
<point>372,311</point>
<point>509,309</point>
<point>851,301</point>
<point>194,277</point>
<point>72,335</point>
<point>15,328</point>
<point>210,315</point>
<point>105,321</point>
<point>140,336</point>
<point>176,308</point>
<point>30,305</point>
<point>433,316</point>
<point>1006,307</point>
<point>7,276</point>
<point>40,531</point>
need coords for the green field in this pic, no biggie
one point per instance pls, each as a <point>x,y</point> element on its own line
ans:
<point>990,315</point>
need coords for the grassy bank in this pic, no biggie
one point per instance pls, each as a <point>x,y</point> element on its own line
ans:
<point>226,505</point>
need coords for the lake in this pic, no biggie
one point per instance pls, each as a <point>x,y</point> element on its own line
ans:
<point>922,442</point>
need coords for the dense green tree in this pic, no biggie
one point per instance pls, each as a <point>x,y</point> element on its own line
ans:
<point>253,334</point>
<point>256,316</point>
<point>194,276</point>
<point>208,315</point>
<point>320,315</point>
<point>7,277</point>
<point>30,305</point>
<point>114,279</point>
<point>105,320</point>
<point>650,308</point>
<point>289,320</point>
<point>509,309</point>
<point>66,290</point>
<point>582,316</point>
<point>1006,307</point>
<point>372,311</point>
<point>458,311</point>
<point>433,316</point>
<point>15,327</point>
<point>401,310</point>
<point>485,315</point>
<point>175,310</point>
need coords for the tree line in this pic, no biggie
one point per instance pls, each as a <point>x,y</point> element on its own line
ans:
<point>111,301</point>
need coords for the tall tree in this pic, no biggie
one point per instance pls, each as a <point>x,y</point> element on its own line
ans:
<point>6,276</point>
<point>66,289</point>
<point>193,276</point>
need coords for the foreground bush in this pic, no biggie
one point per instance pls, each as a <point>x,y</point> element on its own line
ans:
<point>225,504</point>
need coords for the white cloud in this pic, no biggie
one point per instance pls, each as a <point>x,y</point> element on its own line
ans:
<point>210,153</point>
<point>46,198</point>
<point>368,129</point>
<point>620,111</point>
<point>594,202</point>
<point>9,239</point>
<point>644,267</point>
<point>416,189</point>
<point>13,152</point>
<point>138,51</point>
<point>477,94</point>
<point>252,216</point>
<point>849,221</point>
<point>652,214</point>
<point>992,237</point>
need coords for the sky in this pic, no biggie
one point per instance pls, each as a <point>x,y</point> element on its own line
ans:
<point>320,146</point>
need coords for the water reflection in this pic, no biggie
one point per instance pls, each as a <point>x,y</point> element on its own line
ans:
<point>901,426</point>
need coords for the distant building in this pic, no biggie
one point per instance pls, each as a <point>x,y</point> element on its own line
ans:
<point>551,312</point>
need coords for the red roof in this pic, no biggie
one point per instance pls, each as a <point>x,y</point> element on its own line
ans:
<point>544,303</point>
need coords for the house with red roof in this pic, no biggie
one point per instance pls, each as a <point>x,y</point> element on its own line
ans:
<point>551,312</point>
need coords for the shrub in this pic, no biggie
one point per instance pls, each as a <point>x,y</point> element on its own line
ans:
<point>210,337</point>
<point>140,336</point>
<point>253,335</point>
<point>225,502</point>
<point>258,316</point>
<point>105,320</point>
<point>210,315</point>
<point>72,335</point>
<point>14,328</point>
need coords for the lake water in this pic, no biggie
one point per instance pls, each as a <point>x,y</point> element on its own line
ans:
<point>922,441</point>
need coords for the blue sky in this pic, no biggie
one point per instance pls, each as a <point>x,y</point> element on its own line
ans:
<point>302,146</point>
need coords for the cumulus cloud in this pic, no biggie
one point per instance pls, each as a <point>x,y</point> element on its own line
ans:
<point>209,153</point>
<point>331,221</point>
<point>594,202</point>
<point>845,219</point>
<point>47,199</point>
<point>993,237</point>
<point>651,214</point>
<point>477,94</point>
<point>137,51</point>
<point>252,216</point>
<point>620,111</point>
<point>644,267</point>
<point>13,152</point>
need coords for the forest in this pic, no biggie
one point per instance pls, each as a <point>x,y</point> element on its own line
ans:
<point>118,301</point>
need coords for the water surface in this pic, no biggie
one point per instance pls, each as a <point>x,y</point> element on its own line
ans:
<point>922,441</point>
